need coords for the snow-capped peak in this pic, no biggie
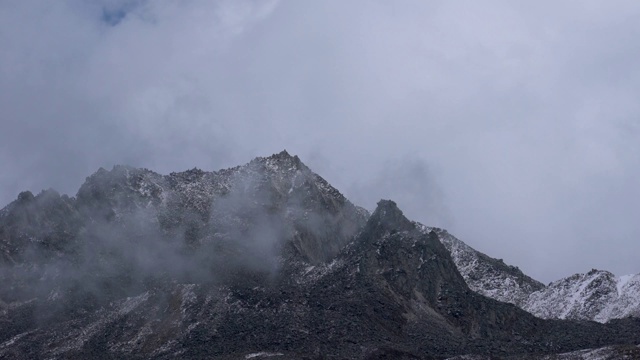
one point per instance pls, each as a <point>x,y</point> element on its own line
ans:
<point>597,295</point>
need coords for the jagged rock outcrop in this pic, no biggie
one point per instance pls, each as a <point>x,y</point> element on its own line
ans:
<point>261,260</point>
<point>47,219</point>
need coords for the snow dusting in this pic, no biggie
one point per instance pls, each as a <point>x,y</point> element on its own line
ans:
<point>484,275</point>
<point>262,354</point>
<point>597,295</point>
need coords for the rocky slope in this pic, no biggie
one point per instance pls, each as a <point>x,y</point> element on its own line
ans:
<point>486,275</point>
<point>597,295</point>
<point>630,352</point>
<point>262,260</point>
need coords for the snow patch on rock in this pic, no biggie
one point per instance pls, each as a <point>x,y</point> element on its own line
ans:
<point>597,295</point>
<point>483,274</point>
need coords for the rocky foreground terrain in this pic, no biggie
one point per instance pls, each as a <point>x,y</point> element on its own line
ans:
<point>267,260</point>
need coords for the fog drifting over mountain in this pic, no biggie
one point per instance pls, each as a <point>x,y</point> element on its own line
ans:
<point>514,126</point>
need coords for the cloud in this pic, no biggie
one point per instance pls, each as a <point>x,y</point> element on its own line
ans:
<point>412,185</point>
<point>524,117</point>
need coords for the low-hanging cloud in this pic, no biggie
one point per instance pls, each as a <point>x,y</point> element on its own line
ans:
<point>525,115</point>
<point>412,185</point>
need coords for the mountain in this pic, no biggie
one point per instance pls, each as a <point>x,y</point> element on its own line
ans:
<point>486,275</point>
<point>597,295</point>
<point>261,260</point>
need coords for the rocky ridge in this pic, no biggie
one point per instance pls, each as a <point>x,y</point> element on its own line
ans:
<point>597,295</point>
<point>486,275</point>
<point>262,260</point>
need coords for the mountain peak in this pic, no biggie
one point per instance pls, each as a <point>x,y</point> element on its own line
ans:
<point>388,215</point>
<point>284,153</point>
<point>283,160</point>
<point>281,156</point>
<point>25,196</point>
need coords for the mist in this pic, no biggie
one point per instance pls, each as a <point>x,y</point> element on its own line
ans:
<point>514,126</point>
<point>130,231</point>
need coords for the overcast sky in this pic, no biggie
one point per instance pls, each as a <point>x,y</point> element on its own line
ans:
<point>515,125</point>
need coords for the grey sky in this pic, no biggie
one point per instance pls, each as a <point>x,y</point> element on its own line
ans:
<point>515,125</point>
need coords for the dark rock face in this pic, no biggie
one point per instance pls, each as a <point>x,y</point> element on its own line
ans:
<point>262,260</point>
<point>48,218</point>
